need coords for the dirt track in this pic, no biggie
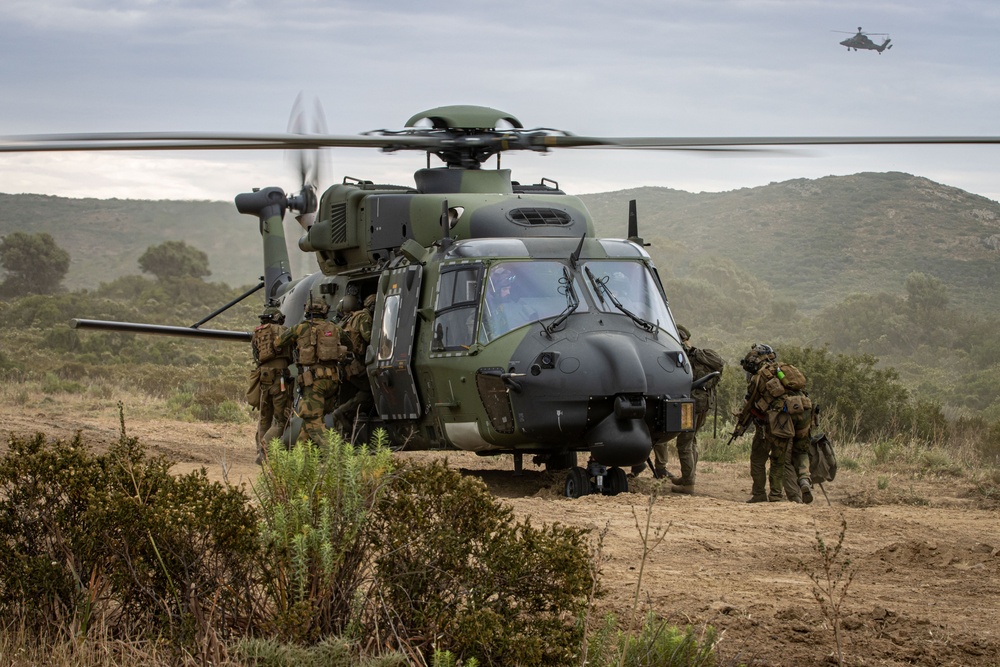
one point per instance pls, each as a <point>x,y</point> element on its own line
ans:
<point>926,586</point>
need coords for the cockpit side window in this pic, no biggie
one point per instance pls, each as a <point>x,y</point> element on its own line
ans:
<point>456,308</point>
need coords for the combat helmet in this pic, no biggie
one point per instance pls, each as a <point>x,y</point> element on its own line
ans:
<point>758,354</point>
<point>684,333</point>
<point>316,308</point>
<point>272,313</point>
<point>370,301</point>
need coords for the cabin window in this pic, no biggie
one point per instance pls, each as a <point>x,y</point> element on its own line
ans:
<point>390,316</point>
<point>519,293</point>
<point>635,288</point>
<point>456,308</point>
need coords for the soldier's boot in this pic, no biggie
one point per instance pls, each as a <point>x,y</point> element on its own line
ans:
<point>682,488</point>
<point>806,488</point>
<point>341,422</point>
<point>757,499</point>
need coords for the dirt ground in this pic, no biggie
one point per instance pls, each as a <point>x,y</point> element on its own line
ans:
<point>924,553</point>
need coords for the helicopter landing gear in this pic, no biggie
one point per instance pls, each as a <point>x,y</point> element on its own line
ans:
<point>556,462</point>
<point>595,478</point>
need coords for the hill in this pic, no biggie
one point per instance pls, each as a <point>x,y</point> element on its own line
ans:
<point>815,241</point>
<point>105,237</point>
<point>812,241</point>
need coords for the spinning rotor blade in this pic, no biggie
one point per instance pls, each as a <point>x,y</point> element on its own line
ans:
<point>492,141</point>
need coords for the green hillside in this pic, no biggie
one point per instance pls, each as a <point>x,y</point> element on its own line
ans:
<point>816,241</point>
<point>105,237</point>
<point>812,242</point>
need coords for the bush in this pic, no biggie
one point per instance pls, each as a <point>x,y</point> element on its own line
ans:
<point>115,539</point>
<point>455,572</point>
<point>316,503</point>
<point>656,645</point>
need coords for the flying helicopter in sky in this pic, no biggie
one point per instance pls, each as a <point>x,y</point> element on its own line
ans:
<point>860,40</point>
<point>502,324</point>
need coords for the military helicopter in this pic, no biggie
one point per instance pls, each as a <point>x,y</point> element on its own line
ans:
<point>502,324</point>
<point>860,41</point>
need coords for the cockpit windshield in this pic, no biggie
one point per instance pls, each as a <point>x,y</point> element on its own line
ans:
<point>518,293</point>
<point>631,284</point>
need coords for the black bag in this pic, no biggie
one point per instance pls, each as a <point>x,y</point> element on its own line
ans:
<point>822,459</point>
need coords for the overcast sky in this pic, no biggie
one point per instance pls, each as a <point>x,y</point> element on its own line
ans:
<point>626,68</point>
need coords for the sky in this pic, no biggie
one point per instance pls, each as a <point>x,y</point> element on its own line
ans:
<point>591,67</point>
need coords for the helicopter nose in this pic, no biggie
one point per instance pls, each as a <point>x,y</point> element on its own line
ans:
<point>595,389</point>
<point>619,442</point>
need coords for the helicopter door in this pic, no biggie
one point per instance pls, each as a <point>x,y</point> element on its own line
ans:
<point>394,385</point>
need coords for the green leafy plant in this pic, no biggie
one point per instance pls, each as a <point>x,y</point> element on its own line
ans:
<point>456,572</point>
<point>115,540</point>
<point>316,503</point>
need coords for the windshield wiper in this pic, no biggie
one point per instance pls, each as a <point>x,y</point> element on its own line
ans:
<point>600,285</point>
<point>573,302</point>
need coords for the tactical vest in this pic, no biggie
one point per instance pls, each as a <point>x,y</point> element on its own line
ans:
<point>264,338</point>
<point>355,328</point>
<point>320,344</point>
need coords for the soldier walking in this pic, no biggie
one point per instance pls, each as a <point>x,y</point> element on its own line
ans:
<point>781,412</point>
<point>356,391</point>
<point>704,361</point>
<point>320,346</point>
<point>272,372</point>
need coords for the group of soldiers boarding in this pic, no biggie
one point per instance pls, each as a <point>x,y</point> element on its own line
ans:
<point>329,355</point>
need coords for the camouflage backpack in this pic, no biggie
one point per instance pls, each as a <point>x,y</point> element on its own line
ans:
<point>822,459</point>
<point>703,362</point>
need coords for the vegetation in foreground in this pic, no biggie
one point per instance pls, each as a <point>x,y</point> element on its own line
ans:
<point>340,557</point>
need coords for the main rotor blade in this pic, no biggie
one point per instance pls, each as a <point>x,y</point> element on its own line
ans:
<point>499,141</point>
<point>153,141</point>
<point>668,143</point>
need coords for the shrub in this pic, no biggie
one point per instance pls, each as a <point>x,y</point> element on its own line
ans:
<point>115,538</point>
<point>455,572</point>
<point>315,504</point>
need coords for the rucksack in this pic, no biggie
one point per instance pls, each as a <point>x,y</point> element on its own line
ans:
<point>822,459</point>
<point>794,378</point>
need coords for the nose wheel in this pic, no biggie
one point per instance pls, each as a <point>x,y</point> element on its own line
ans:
<point>595,478</point>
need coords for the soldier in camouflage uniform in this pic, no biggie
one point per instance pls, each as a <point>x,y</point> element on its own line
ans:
<point>356,392</point>
<point>272,370</point>
<point>703,362</point>
<point>320,346</point>
<point>781,412</point>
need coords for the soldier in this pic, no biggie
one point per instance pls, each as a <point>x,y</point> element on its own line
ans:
<point>320,346</point>
<point>781,411</point>
<point>272,372</point>
<point>703,362</point>
<point>356,392</point>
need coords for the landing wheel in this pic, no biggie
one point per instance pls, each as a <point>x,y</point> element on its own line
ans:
<point>616,482</point>
<point>577,483</point>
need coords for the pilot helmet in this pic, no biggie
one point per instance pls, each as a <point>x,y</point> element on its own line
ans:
<point>350,302</point>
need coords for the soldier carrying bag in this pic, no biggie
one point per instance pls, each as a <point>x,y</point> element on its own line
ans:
<point>822,459</point>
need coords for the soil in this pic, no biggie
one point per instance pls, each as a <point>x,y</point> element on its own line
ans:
<point>923,553</point>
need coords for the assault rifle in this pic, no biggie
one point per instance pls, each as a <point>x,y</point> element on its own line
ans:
<point>743,421</point>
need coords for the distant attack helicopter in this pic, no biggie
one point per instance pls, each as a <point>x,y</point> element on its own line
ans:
<point>860,41</point>
<point>502,325</point>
